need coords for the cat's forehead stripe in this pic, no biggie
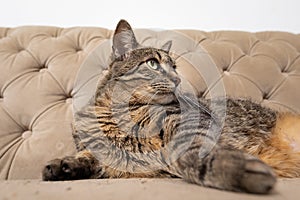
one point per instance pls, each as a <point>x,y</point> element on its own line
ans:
<point>159,56</point>
<point>155,53</point>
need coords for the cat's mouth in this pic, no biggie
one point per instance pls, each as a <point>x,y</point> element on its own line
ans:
<point>154,98</point>
<point>164,98</point>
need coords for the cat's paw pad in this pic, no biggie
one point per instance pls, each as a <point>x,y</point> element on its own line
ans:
<point>258,177</point>
<point>68,168</point>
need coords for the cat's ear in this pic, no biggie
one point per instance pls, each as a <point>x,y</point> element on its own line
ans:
<point>167,46</point>
<point>123,39</point>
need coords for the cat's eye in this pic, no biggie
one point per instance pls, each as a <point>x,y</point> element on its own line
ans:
<point>153,64</point>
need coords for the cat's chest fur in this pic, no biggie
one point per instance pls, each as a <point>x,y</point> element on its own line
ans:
<point>134,127</point>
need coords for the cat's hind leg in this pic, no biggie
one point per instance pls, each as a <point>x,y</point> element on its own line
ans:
<point>283,150</point>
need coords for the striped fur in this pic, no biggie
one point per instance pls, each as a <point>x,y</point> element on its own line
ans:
<point>140,124</point>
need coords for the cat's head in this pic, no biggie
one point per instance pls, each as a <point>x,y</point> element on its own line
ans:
<point>149,72</point>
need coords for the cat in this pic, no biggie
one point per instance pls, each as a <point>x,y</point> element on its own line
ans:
<point>141,124</point>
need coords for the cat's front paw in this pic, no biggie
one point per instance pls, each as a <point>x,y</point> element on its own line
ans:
<point>258,177</point>
<point>68,168</point>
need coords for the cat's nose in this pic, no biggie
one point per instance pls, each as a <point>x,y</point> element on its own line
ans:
<point>176,80</point>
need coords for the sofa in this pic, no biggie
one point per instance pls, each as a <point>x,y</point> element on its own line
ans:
<point>47,73</point>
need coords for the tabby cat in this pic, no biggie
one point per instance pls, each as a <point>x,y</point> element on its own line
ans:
<point>141,124</point>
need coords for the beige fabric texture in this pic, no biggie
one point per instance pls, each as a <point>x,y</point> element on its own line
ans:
<point>128,189</point>
<point>47,73</point>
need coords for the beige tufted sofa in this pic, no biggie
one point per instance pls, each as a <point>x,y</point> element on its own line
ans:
<point>46,73</point>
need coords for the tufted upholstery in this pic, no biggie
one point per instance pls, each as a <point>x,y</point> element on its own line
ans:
<point>45,71</point>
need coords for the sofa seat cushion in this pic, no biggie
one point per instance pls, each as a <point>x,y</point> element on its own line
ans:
<point>143,189</point>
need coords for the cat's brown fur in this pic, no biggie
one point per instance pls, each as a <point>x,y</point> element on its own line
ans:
<point>140,124</point>
<point>283,150</point>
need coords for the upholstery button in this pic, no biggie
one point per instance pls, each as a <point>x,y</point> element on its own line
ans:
<point>265,96</point>
<point>226,73</point>
<point>201,93</point>
<point>20,49</point>
<point>42,70</point>
<point>69,100</point>
<point>26,134</point>
<point>78,49</point>
<point>284,71</point>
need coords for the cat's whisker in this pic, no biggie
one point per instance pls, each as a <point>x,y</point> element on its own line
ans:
<point>152,97</point>
<point>195,103</point>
